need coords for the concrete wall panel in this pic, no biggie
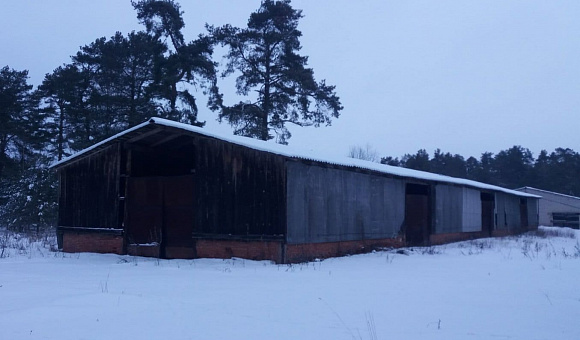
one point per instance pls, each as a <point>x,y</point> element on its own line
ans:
<point>448,209</point>
<point>331,205</point>
<point>471,210</point>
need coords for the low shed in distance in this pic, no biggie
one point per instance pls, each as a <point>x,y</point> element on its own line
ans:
<point>556,209</point>
<point>172,190</point>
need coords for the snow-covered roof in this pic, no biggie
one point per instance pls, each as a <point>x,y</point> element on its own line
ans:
<point>292,152</point>
<point>547,192</point>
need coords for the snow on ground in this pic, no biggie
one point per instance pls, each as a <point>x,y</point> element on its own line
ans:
<point>525,287</point>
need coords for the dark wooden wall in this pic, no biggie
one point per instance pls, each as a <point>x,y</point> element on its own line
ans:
<point>237,190</point>
<point>89,191</point>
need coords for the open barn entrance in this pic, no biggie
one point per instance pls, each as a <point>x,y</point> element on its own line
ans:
<point>487,207</point>
<point>417,214</point>
<point>159,194</point>
<point>160,216</point>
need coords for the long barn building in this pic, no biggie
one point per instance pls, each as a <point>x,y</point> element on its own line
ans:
<point>173,190</point>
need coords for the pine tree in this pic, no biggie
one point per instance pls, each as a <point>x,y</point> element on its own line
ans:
<point>266,55</point>
<point>182,63</point>
<point>27,190</point>
<point>121,71</point>
<point>512,167</point>
<point>564,168</point>
<point>14,105</point>
<point>419,161</point>
<point>64,97</point>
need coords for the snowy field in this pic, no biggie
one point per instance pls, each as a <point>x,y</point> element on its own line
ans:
<point>525,287</point>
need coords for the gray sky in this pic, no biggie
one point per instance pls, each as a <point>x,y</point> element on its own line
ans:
<point>463,76</point>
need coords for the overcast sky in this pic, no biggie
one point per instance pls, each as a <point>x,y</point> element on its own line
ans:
<point>463,76</point>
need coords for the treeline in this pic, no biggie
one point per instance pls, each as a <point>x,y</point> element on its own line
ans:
<point>558,171</point>
<point>114,83</point>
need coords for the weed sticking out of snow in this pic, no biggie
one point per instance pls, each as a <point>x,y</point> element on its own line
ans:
<point>545,232</point>
<point>476,247</point>
<point>29,244</point>
<point>434,250</point>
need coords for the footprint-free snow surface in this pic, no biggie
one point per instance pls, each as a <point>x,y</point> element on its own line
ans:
<point>525,287</point>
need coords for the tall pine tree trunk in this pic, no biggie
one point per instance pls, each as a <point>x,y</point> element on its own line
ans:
<point>264,113</point>
<point>60,141</point>
<point>267,100</point>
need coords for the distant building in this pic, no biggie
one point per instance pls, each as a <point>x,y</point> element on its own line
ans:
<point>173,190</point>
<point>556,209</point>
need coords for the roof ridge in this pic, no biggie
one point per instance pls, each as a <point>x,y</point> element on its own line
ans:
<point>296,153</point>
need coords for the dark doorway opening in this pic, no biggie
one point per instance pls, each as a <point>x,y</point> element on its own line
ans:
<point>417,214</point>
<point>487,212</point>
<point>159,194</point>
<point>524,212</point>
<point>159,213</point>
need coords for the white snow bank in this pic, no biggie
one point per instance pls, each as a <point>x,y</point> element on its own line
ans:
<point>507,288</point>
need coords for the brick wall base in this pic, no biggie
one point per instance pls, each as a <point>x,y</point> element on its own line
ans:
<point>73,242</point>
<point>141,250</point>
<point>310,251</point>
<point>251,250</point>
<point>505,232</point>
<point>437,239</point>
<point>513,231</point>
<point>179,252</point>
<point>275,251</point>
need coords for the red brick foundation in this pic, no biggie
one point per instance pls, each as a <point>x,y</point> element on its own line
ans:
<point>510,232</point>
<point>309,251</point>
<point>179,253</point>
<point>500,233</point>
<point>437,239</point>
<point>141,250</point>
<point>73,242</point>
<point>273,250</point>
<point>252,250</point>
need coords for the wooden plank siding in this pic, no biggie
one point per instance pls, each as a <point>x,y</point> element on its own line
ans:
<point>238,191</point>
<point>88,192</point>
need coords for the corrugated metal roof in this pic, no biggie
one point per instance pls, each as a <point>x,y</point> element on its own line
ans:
<point>547,192</point>
<point>292,152</point>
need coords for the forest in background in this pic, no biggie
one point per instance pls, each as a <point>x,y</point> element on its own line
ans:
<point>513,168</point>
<point>114,83</point>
